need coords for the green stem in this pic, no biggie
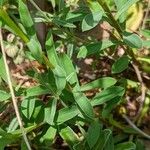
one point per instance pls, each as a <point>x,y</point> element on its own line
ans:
<point>115,24</point>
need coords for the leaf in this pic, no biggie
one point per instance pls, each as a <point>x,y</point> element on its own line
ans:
<point>84,105</point>
<point>81,100</point>
<point>27,22</point>
<point>97,47</point>
<point>75,16</point>
<point>109,106</point>
<point>8,21</point>
<point>64,23</point>
<point>93,133</point>
<point>107,95</point>
<point>60,78</point>
<point>110,143</point>
<point>120,64</point>
<point>91,20</point>
<point>51,51</point>
<point>35,48</point>
<point>66,114</point>
<point>144,59</point>
<point>132,40</point>
<point>103,139</point>
<point>66,63</point>
<point>36,91</point>
<point>49,136</point>
<point>104,82</point>
<point>119,5</point>
<point>69,136</point>
<point>125,7</point>
<point>27,107</point>
<point>50,111</point>
<point>146,43</point>
<point>25,18</point>
<point>82,52</point>
<point>13,125</point>
<point>140,145</point>
<point>125,146</point>
<point>4,96</point>
<point>2,70</point>
<point>145,33</point>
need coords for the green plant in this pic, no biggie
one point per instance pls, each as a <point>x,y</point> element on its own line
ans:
<point>66,112</point>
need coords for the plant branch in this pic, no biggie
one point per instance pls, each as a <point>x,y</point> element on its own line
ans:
<point>143,90</point>
<point>146,15</point>
<point>12,92</point>
<point>114,23</point>
<point>135,127</point>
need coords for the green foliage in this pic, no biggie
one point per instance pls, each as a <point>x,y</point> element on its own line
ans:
<point>57,108</point>
<point>120,64</point>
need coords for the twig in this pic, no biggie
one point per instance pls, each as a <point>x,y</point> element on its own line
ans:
<point>146,15</point>
<point>143,90</point>
<point>135,127</point>
<point>12,93</point>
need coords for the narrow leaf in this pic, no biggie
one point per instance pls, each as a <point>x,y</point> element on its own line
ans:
<point>50,111</point>
<point>107,94</point>
<point>104,82</point>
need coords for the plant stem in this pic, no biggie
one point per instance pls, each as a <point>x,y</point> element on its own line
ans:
<point>146,15</point>
<point>135,127</point>
<point>111,17</point>
<point>12,93</point>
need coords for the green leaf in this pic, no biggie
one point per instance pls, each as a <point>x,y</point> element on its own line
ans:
<point>145,33</point>
<point>66,114</point>
<point>84,105</point>
<point>27,22</point>
<point>132,40</point>
<point>93,134</point>
<point>36,91</point>
<point>8,21</point>
<point>60,78</point>
<point>97,47</point>
<point>74,16</point>
<point>4,96</point>
<point>146,43</point>
<point>49,136</point>
<point>120,64</point>
<point>104,82</point>
<point>51,51</point>
<point>125,7</point>
<point>13,125</point>
<point>27,107</point>
<point>107,95</point>
<point>63,23</point>
<point>50,111</point>
<point>110,106</point>
<point>103,139</point>
<point>110,143</point>
<point>66,63</point>
<point>82,52</point>
<point>91,20</point>
<point>69,136</point>
<point>2,70</point>
<point>35,48</point>
<point>140,145</point>
<point>144,59</point>
<point>25,18</point>
<point>125,146</point>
